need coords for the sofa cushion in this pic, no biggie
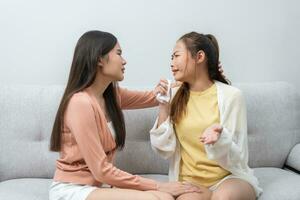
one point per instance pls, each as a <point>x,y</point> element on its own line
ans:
<point>25,189</point>
<point>278,184</point>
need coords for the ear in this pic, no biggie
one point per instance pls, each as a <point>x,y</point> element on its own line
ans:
<point>100,62</point>
<point>200,57</point>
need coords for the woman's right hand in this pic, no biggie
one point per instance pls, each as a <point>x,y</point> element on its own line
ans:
<point>161,87</point>
<point>177,188</point>
<point>164,108</point>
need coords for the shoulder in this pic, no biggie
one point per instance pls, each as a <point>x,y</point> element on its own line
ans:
<point>230,95</point>
<point>80,100</point>
<point>229,91</point>
<point>79,107</point>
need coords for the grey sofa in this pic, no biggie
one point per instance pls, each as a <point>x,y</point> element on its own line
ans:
<point>27,166</point>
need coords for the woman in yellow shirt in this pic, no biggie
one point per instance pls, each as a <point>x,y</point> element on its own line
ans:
<point>195,167</point>
<point>203,131</point>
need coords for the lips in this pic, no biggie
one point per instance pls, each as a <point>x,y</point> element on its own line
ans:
<point>123,70</point>
<point>175,70</point>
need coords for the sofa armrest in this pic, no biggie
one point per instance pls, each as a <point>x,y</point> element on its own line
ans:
<point>293,160</point>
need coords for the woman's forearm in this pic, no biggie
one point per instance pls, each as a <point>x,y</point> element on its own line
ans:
<point>163,114</point>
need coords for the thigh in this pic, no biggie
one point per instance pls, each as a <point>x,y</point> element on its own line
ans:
<point>161,195</point>
<point>124,194</point>
<point>204,195</point>
<point>234,189</point>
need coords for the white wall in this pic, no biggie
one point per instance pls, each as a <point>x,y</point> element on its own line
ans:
<point>259,39</point>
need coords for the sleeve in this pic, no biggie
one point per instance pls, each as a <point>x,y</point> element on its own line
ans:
<point>232,145</point>
<point>80,118</point>
<point>131,99</point>
<point>163,139</point>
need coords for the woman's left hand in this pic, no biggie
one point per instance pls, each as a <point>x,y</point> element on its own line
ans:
<point>211,134</point>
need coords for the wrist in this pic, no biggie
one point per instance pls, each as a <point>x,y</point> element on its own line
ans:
<point>218,134</point>
<point>164,107</point>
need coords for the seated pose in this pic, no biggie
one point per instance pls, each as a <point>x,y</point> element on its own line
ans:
<point>203,130</point>
<point>89,128</point>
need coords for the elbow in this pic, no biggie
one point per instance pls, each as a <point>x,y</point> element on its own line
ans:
<point>163,145</point>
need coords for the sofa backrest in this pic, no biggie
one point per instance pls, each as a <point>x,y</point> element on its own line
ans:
<point>27,114</point>
<point>26,119</point>
<point>273,113</point>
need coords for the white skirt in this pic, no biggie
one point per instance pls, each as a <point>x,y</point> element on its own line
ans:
<point>215,186</point>
<point>69,191</point>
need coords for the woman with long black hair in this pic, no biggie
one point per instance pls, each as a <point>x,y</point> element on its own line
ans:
<point>89,128</point>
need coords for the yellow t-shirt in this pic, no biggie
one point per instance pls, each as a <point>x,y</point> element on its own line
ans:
<point>202,112</point>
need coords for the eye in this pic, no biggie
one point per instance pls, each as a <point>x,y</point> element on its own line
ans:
<point>174,56</point>
<point>119,52</point>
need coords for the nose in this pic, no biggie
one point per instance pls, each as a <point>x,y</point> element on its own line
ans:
<point>124,62</point>
<point>172,63</point>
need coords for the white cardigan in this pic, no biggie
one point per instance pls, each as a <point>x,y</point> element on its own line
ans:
<point>231,149</point>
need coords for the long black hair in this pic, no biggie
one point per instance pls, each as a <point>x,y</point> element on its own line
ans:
<point>90,47</point>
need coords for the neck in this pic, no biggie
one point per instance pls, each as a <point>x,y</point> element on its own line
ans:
<point>200,83</point>
<point>99,86</point>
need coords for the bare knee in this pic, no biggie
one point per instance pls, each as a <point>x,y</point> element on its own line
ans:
<point>194,196</point>
<point>151,196</point>
<point>227,196</point>
<point>220,197</point>
<point>167,197</point>
<point>234,189</point>
<point>223,196</point>
<point>182,197</point>
<point>126,194</point>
